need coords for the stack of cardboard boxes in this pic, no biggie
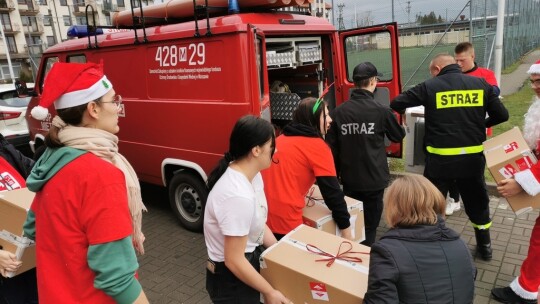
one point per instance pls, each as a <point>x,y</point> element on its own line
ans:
<point>14,206</point>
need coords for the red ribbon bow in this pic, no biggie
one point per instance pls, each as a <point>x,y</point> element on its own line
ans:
<point>345,255</point>
<point>311,199</point>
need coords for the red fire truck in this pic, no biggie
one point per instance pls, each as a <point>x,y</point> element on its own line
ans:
<point>184,84</point>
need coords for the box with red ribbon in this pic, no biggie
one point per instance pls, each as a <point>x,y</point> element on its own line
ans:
<point>312,266</point>
<point>506,154</point>
<point>317,215</point>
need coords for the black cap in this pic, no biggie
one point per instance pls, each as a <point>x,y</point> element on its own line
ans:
<point>365,70</point>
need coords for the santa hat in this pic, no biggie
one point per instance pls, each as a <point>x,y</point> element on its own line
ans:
<point>535,68</point>
<point>69,85</point>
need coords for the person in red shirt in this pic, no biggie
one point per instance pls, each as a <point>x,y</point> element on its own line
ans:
<point>85,215</point>
<point>303,157</point>
<point>525,288</point>
<point>464,55</point>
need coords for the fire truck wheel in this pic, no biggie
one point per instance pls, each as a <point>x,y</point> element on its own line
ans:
<point>187,196</point>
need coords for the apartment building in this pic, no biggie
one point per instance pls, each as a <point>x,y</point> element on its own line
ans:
<point>30,26</point>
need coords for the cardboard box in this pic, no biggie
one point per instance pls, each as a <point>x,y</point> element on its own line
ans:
<point>14,206</point>
<point>317,215</point>
<point>295,271</point>
<point>24,248</point>
<point>507,154</point>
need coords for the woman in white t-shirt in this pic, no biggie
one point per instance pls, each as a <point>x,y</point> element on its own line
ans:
<point>235,217</point>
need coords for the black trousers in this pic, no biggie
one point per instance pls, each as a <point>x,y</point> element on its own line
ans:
<point>473,193</point>
<point>454,191</point>
<point>225,288</point>
<point>21,289</point>
<point>373,207</point>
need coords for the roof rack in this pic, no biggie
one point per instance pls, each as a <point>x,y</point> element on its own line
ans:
<point>139,21</point>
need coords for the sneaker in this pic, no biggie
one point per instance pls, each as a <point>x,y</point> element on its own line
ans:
<point>457,206</point>
<point>508,296</point>
<point>449,206</point>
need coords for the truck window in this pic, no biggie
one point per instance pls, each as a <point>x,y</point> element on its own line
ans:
<point>48,65</point>
<point>375,48</point>
<point>76,58</point>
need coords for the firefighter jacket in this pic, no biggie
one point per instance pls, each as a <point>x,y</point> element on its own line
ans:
<point>357,138</point>
<point>455,107</point>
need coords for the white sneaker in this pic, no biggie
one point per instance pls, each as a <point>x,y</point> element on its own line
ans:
<point>449,206</point>
<point>452,206</point>
<point>457,206</point>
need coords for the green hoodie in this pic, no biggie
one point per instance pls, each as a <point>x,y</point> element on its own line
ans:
<point>44,169</point>
<point>104,259</point>
<point>49,164</point>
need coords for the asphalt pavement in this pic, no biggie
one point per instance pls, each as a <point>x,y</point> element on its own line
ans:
<point>511,83</point>
<point>173,268</point>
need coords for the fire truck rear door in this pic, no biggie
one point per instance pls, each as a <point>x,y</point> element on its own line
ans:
<point>377,44</point>
<point>256,40</point>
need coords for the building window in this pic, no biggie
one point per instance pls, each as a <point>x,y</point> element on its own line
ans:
<point>6,22</point>
<point>42,2</point>
<point>80,20</point>
<point>12,46</point>
<point>108,19</point>
<point>78,2</point>
<point>120,3</point>
<point>21,1</point>
<point>5,70</point>
<point>30,22</point>
<point>34,40</point>
<point>63,2</point>
<point>67,20</point>
<point>51,41</point>
<point>47,20</point>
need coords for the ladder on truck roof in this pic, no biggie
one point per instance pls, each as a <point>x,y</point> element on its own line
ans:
<point>200,12</point>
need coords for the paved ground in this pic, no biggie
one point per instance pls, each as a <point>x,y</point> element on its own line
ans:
<point>172,270</point>
<point>511,83</point>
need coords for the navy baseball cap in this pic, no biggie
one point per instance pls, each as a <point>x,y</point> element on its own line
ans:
<point>365,70</point>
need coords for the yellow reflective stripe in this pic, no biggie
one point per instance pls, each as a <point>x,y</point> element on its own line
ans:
<point>460,98</point>
<point>455,151</point>
<point>482,227</point>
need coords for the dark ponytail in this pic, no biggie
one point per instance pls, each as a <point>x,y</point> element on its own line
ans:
<point>248,132</point>
<point>71,116</point>
<point>306,115</point>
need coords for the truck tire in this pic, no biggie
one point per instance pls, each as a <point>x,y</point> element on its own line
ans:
<point>187,196</point>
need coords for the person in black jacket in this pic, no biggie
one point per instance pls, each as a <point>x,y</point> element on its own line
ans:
<point>419,260</point>
<point>356,137</point>
<point>455,127</point>
<point>13,156</point>
<point>21,289</point>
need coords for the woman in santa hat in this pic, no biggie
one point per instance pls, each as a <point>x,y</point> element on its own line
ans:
<point>524,289</point>
<point>86,215</point>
